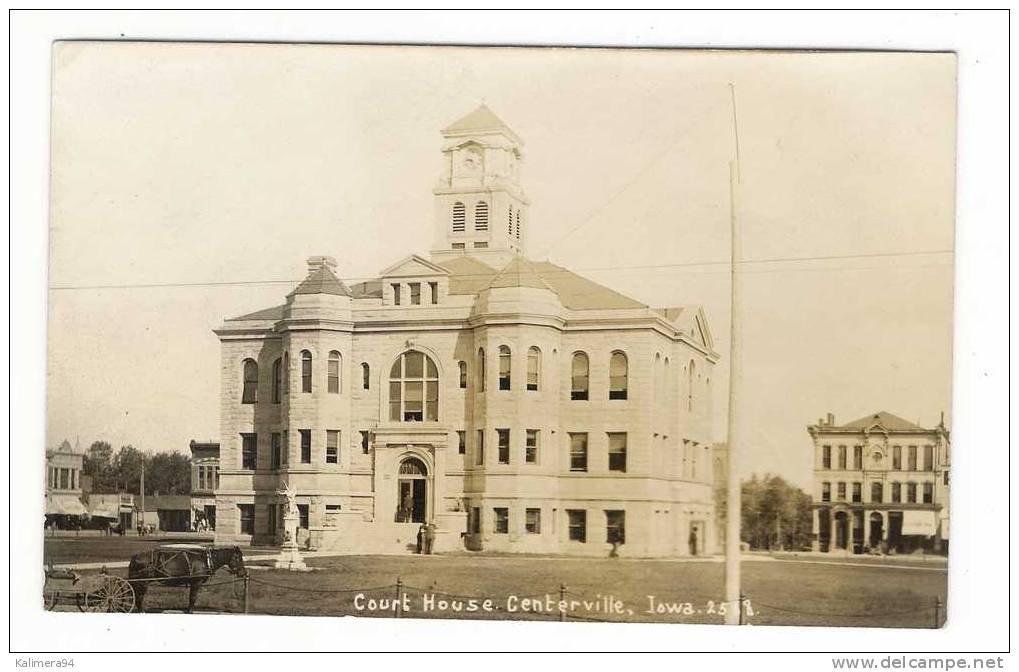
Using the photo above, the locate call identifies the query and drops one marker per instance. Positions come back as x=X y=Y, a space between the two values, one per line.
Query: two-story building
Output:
x=515 y=405
x=64 y=495
x=204 y=481
x=880 y=482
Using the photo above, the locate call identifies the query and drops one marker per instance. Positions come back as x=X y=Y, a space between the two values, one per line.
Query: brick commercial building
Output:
x=513 y=404
x=880 y=483
x=204 y=481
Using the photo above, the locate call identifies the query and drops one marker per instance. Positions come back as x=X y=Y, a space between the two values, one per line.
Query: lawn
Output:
x=781 y=592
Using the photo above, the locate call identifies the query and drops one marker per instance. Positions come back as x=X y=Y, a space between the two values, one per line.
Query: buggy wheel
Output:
x=50 y=599
x=111 y=594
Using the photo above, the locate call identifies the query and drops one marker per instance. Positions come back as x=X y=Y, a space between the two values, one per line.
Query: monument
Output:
x=290 y=555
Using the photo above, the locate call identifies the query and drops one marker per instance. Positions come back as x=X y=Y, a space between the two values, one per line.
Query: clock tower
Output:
x=480 y=208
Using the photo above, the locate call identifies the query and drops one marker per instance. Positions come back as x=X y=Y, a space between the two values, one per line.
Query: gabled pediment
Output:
x=413 y=266
x=692 y=322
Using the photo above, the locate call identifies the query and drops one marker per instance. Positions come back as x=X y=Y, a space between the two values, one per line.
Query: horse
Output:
x=182 y=565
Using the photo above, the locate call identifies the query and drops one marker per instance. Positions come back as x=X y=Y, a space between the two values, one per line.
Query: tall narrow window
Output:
x=896 y=492
x=459 y=217
x=286 y=373
x=897 y=458
x=249 y=451
x=481 y=369
x=532 y=522
x=877 y=491
x=617 y=451
x=857 y=492
x=305 y=446
x=911 y=493
x=463 y=375
x=332 y=446
x=825 y=492
x=615 y=527
x=928 y=458
x=461 y=441
x=479 y=453
x=249 y=394
x=578 y=452
x=504 y=445
x=826 y=457
x=305 y=371
x=365 y=376
x=842 y=458
x=617 y=376
x=277 y=380
x=396 y=294
x=531 y=447
x=579 y=378
x=247 y=514
x=504 y=367
x=334 y=372
x=481 y=216
x=533 y=368
x=912 y=458
x=501 y=519
x=928 y=493
x=857 y=457
x=842 y=491
x=415 y=293
x=365 y=442
x=578 y=524
x=433 y=288
x=413 y=388
x=691 y=381
x=275 y=450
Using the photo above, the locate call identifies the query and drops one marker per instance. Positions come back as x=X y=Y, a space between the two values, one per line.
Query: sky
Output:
x=190 y=182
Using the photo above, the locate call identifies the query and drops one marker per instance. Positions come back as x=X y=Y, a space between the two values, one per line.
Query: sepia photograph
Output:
x=543 y=334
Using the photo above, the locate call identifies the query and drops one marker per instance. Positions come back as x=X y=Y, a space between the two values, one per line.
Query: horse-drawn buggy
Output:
x=97 y=592
x=182 y=565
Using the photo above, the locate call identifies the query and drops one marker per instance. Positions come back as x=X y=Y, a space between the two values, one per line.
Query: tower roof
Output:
x=321 y=279
x=519 y=272
x=482 y=119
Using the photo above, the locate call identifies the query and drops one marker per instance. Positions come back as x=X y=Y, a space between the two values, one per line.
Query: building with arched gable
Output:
x=511 y=403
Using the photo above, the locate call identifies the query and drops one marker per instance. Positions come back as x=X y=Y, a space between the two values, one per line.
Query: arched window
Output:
x=580 y=376
x=504 y=367
x=334 y=372
x=413 y=388
x=533 y=368
x=481 y=216
x=481 y=369
x=518 y=225
x=691 y=373
x=249 y=394
x=509 y=232
x=463 y=375
x=617 y=376
x=459 y=217
x=305 y=371
x=277 y=380
x=366 y=376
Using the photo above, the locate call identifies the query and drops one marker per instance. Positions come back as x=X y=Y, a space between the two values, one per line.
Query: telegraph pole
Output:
x=733 y=504
x=141 y=492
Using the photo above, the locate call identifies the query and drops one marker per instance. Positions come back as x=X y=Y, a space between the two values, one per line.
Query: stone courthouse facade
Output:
x=511 y=403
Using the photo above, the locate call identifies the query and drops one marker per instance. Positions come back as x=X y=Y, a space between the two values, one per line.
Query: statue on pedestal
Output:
x=290 y=554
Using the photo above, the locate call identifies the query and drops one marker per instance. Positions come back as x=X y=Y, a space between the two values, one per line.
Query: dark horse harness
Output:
x=161 y=562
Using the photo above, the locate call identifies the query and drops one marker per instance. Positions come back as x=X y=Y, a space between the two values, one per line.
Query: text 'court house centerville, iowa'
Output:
x=512 y=404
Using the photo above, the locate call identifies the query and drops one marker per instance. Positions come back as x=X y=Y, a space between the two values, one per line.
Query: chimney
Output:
x=831 y=419
x=318 y=261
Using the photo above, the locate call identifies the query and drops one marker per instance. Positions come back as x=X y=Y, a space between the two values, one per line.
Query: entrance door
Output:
x=696 y=537
x=876 y=529
x=841 y=530
x=412 y=492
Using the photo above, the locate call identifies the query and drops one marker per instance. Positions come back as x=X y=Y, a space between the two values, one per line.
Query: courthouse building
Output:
x=880 y=482
x=511 y=403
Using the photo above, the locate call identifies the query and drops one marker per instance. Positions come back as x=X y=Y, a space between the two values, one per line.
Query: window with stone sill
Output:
x=249 y=394
x=413 y=388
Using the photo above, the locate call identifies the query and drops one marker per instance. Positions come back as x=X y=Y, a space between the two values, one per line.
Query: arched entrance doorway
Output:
x=412 y=491
x=877 y=524
x=841 y=530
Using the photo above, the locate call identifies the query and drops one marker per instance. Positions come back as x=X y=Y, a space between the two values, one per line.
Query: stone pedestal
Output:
x=290 y=555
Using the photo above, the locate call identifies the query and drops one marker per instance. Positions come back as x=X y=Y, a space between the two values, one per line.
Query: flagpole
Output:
x=733 y=502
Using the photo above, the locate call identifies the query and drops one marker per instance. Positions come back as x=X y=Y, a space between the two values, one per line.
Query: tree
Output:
x=168 y=473
x=127 y=468
x=98 y=464
x=775 y=514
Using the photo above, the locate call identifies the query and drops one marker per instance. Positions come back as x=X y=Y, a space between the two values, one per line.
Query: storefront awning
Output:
x=104 y=510
x=919 y=523
x=66 y=505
